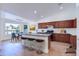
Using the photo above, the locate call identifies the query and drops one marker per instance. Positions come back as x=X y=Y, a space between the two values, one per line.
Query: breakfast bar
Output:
x=36 y=36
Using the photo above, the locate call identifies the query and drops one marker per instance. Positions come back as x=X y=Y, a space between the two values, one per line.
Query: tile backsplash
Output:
x=68 y=30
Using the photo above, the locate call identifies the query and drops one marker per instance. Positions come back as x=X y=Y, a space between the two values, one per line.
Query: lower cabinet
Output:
x=66 y=38
x=73 y=41
x=61 y=37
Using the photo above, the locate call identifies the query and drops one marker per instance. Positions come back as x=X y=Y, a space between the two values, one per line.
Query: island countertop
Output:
x=37 y=34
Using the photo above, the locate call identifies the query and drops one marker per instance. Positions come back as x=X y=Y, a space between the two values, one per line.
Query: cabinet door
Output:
x=58 y=37
x=42 y=25
x=51 y=23
x=66 y=38
x=56 y=25
x=65 y=24
x=61 y=37
x=74 y=23
x=62 y=24
x=73 y=41
x=55 y=37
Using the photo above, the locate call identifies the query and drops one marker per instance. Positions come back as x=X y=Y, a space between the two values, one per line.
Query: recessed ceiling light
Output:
x=61 y=8
x=42 y=16
x=77 y=5
x=35 y=11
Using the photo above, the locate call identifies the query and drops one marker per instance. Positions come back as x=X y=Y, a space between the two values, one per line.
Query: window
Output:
x=10 y=28
x=25 y=28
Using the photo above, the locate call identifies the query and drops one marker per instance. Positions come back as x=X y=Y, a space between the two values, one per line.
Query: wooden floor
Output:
x=8 y=48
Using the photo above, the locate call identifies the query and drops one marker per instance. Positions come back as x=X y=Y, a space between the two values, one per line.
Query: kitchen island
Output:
x=36 y=36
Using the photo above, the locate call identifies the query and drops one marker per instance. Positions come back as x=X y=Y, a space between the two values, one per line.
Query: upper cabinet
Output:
x=59 y=24
x=42 y=25
x=65 y=24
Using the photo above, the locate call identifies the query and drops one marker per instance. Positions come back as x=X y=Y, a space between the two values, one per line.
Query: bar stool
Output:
x=31 y=44
x=39 y=46
x=25 y=41
x=13 y=37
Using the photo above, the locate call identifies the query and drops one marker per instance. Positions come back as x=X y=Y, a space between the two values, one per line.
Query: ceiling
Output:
x=43 y=10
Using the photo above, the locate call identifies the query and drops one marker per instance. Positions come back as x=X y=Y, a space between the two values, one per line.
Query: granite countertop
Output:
x=36 y=34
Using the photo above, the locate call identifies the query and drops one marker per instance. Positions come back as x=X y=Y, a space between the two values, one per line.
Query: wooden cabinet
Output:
x=61 y=37
x=74 y=23
x=64 y=24
x=67 y=38
x=59 y=24
x=42 y=25
x=73 y=41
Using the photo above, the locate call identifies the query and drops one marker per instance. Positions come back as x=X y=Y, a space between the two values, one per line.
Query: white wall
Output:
x=1 y=27
x=0 y=22
x=77 y=14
